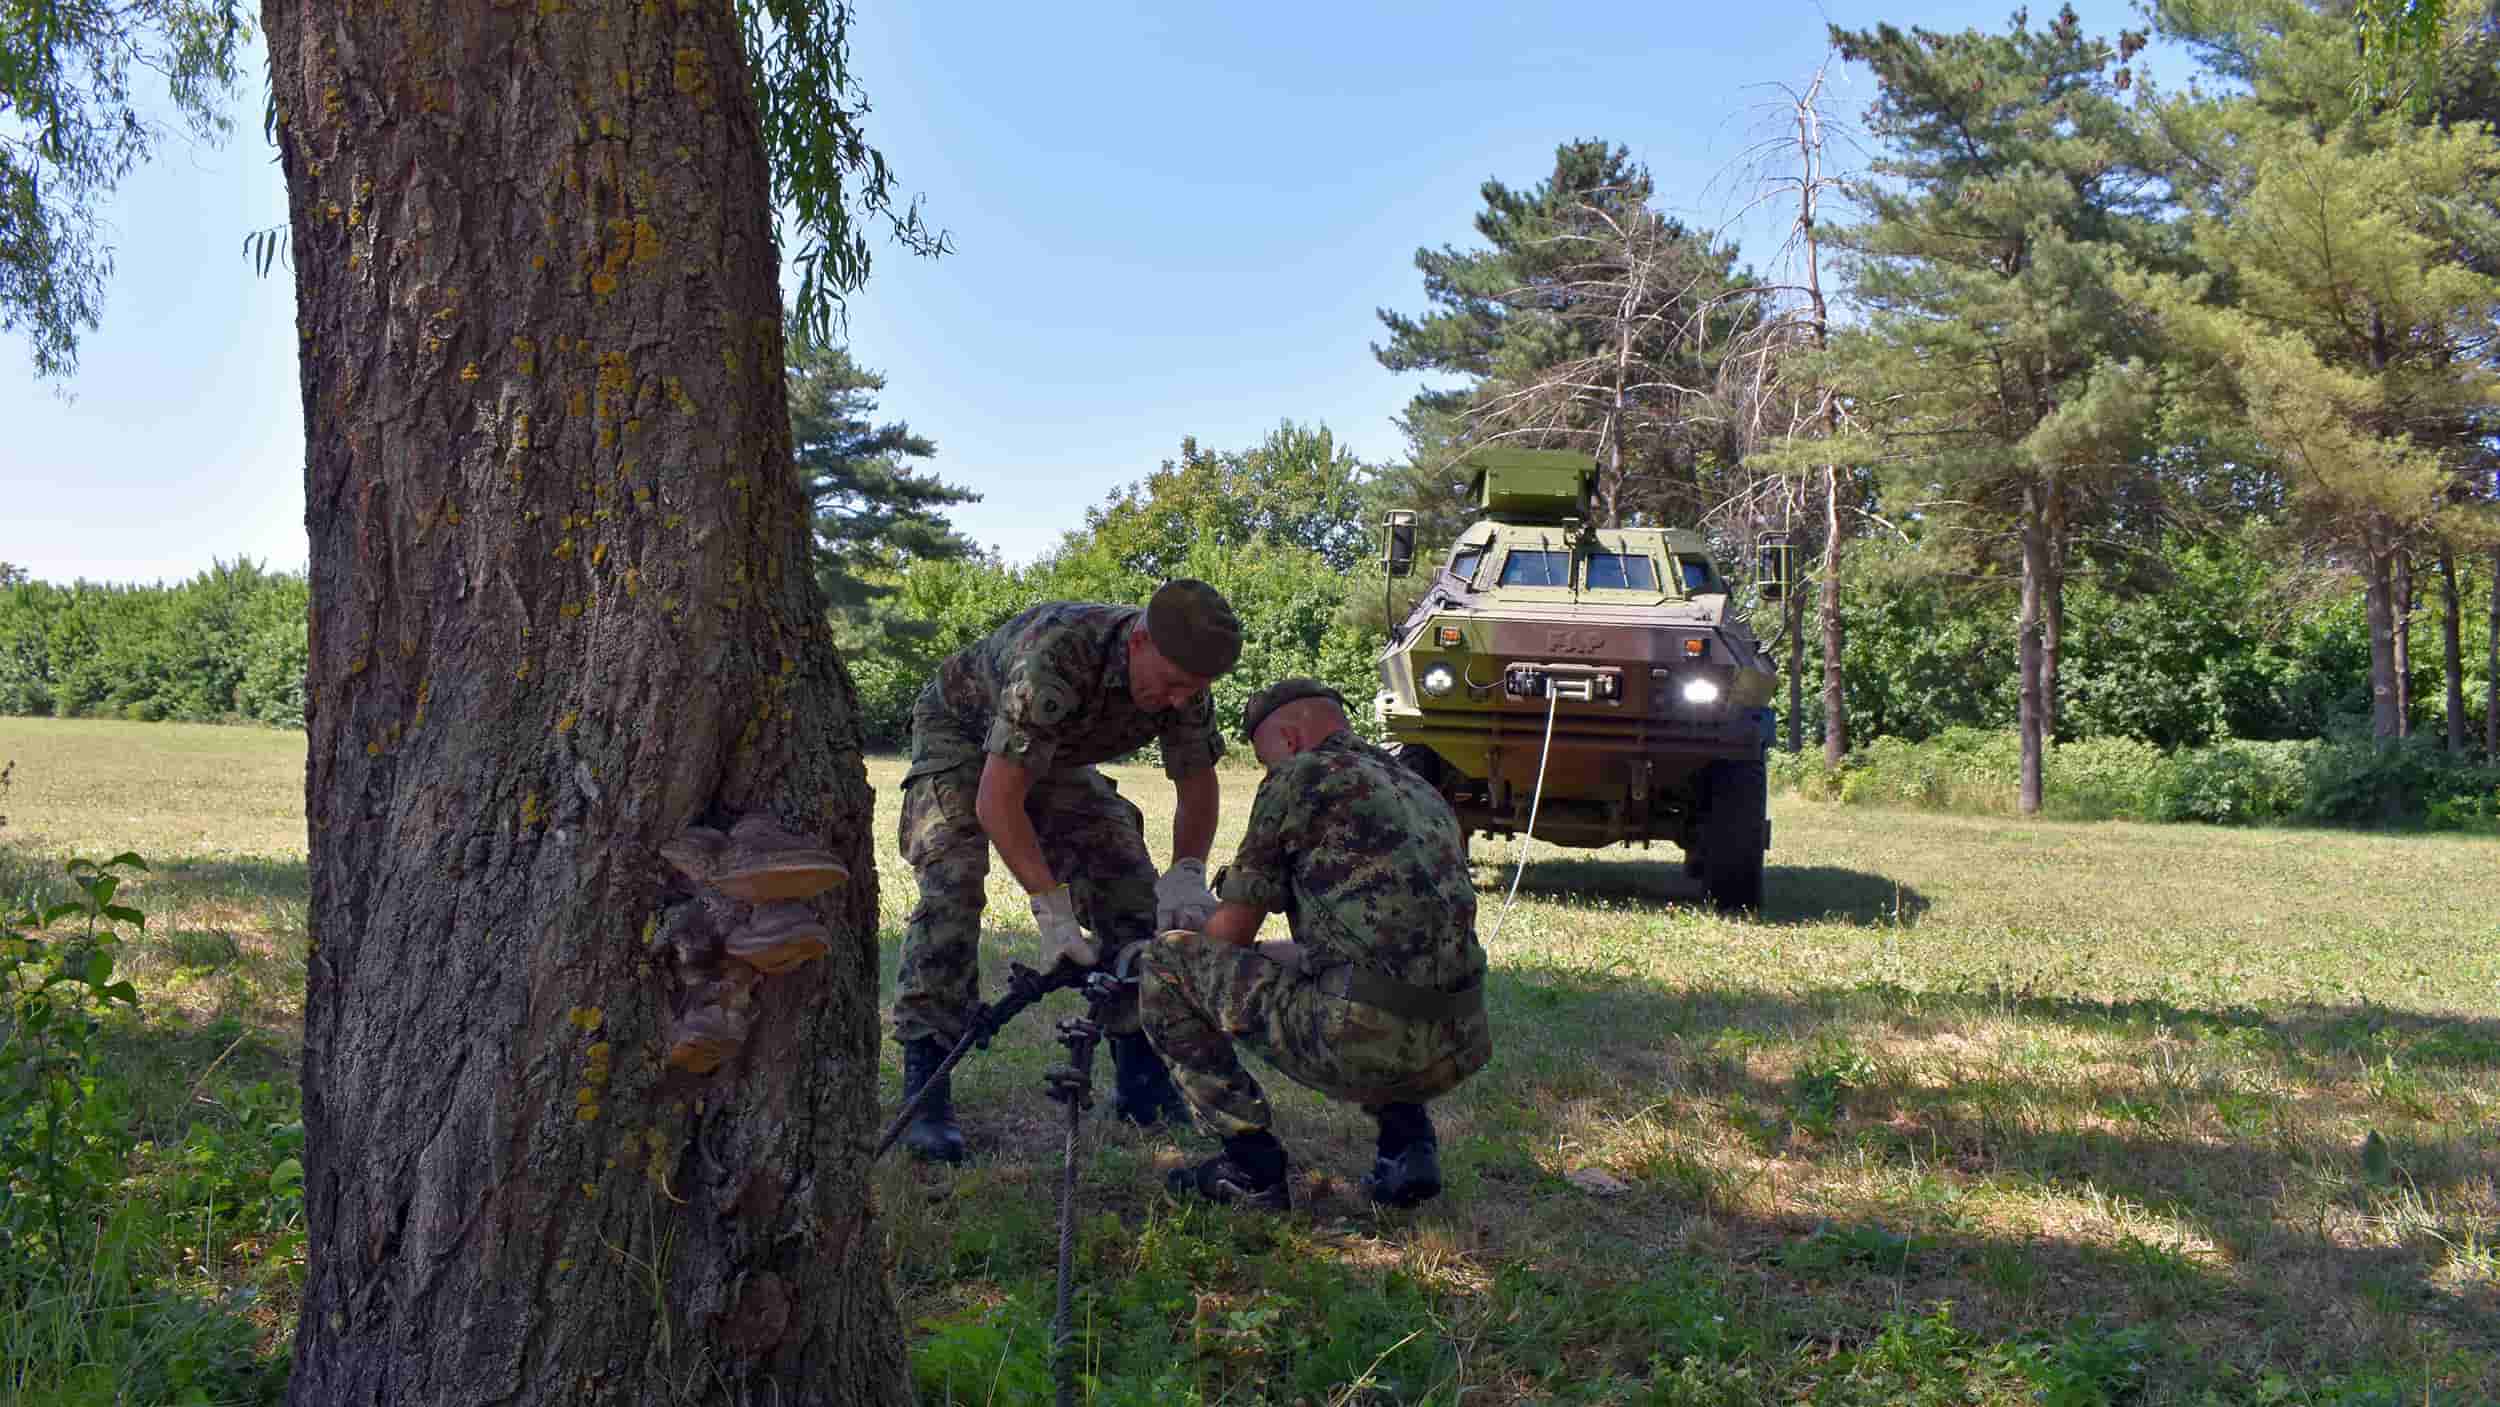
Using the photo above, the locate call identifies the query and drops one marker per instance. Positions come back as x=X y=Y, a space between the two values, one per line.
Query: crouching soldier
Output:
x=1004 y=742
x=1379 y=1000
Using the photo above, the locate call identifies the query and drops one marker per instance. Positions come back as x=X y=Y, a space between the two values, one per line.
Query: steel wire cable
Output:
x=1553 y=702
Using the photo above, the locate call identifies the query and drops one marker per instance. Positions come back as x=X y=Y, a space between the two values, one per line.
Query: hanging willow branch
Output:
x=823 y=169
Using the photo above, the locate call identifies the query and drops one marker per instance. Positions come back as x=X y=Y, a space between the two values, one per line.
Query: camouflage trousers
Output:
x=1093 y=838
x=1199 y=998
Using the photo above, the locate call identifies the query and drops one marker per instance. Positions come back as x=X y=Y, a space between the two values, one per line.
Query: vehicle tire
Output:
x=1737 y=795
x=1422 y=761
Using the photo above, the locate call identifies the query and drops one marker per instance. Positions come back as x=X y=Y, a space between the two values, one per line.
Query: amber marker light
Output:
x=1695 y=649
x=1450 y=636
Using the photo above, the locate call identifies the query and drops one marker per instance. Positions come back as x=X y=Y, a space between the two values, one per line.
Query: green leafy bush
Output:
x=2231 y=783
x=2415 y=782
x=64 y=1137
x=2102 y=779
x=2354 y=783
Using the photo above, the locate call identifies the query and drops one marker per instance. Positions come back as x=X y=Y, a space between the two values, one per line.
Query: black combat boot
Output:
x=931 y=1136
x=1142 y=1090
x=1250 y=1172
x=1408 y=1168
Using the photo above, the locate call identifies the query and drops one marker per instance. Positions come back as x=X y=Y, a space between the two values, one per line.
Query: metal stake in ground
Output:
x=1072 y=1084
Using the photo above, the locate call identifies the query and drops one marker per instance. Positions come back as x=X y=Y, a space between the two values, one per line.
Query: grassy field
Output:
x=1977 y=1111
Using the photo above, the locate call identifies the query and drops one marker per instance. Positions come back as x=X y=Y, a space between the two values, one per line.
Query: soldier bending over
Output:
x=1378 y=1001
x=1004 y=742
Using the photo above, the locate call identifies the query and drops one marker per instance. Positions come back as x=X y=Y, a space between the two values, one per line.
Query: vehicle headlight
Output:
x=1700 y=691
x=1439 y=680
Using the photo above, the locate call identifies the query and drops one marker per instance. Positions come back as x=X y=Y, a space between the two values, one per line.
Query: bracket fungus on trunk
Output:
x=751 y=881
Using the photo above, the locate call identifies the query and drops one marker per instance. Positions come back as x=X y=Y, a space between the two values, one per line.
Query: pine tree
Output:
x=2355 y=348
x=873 y=513
x=1995 y=358
x=1586 y=323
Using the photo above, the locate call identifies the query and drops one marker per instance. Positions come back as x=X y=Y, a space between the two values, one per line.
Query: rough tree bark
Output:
x=1793 y=622
x=2030 y=712
x=561 y=609
x=1835 y=696
x=2379 y=611
x=2402 y=572
x=2053 y=608
x=2452 y=647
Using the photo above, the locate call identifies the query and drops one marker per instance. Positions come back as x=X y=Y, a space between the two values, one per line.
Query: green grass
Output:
x=1978 y=1111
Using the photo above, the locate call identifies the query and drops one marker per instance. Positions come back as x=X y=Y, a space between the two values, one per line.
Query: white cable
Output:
x=1553 y=702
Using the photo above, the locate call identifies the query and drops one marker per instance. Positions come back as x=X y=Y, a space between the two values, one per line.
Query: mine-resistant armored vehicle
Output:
x=1597 y=678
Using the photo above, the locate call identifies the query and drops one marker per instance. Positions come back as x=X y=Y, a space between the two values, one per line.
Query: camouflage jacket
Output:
x=1365 y=860
x=1049 y=689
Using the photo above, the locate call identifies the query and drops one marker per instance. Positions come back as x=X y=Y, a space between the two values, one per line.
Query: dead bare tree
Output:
x=1786 y=413
x=1633 y=295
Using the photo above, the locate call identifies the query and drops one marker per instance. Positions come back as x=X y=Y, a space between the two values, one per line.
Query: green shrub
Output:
x=1802 y=773
x=2411 y=783
x=64 y=1137
x=2356 y=782
x=2102 y=779
x=2231 y=783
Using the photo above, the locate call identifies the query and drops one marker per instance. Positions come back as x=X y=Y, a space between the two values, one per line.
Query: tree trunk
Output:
x=1793 y=622
x=561 y=608
x=2403 y=638
x=2381 y=616
x=1835 y=701
x=2053 y=608
x=2491 y=670
x=2452 y=647
x=2032 y=716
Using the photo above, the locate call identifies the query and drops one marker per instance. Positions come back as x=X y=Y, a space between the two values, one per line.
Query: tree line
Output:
x=2063 y=334
x=492 y=773
x=2094 y=411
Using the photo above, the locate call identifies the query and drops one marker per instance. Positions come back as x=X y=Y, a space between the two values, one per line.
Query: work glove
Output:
x=1054 y=913
x=1182 y=899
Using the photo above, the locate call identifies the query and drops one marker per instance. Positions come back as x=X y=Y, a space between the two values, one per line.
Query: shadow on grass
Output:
x=1792 y=894
x=1824 y=1207
x=286 y=877
x=2249 y=1171
x=180 y=1073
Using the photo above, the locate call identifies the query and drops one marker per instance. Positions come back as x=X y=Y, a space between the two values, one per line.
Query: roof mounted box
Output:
x=1532 y=483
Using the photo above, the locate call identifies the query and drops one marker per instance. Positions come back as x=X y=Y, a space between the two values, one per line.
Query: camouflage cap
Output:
x=1193 y=625
x=1279 y=694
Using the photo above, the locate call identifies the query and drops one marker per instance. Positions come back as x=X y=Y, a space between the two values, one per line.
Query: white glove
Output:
x=1054 y=913
x=1182 y=899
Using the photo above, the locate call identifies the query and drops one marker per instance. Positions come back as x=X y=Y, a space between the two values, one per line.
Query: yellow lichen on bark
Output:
x=692 y=76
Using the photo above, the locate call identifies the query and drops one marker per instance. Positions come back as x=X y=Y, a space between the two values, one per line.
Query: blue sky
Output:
x=1168 y=220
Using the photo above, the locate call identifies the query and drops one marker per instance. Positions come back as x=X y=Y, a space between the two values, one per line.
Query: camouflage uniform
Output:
x=1049 y=689
x=1364 y=860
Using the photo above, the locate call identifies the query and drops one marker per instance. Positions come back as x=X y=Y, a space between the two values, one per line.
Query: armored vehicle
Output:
x=1585 y=685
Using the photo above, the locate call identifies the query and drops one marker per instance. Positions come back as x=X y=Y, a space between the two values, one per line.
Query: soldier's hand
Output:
x=1054 y=913
x=1182 y=898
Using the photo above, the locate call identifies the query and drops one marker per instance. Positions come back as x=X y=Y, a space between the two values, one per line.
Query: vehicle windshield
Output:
x=1534 y=568
x=1696 y=573
x=1463 y=565
x=1621 y=571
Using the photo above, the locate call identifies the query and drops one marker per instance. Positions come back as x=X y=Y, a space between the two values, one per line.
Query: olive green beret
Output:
x=1193 y=625
x=1279 y=694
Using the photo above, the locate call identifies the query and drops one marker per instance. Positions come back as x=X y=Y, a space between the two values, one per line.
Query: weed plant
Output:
x=2347 y=782
x=1978 y=1110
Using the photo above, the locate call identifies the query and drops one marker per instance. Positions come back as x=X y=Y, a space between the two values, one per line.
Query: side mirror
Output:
x=1400 y=560
x=1775 y=568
